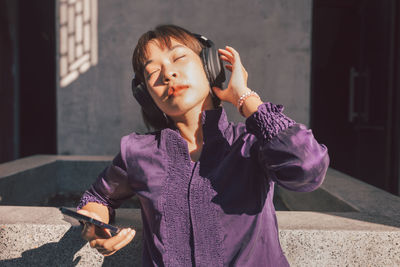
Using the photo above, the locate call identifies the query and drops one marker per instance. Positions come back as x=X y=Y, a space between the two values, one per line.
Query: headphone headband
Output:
x=204 y=40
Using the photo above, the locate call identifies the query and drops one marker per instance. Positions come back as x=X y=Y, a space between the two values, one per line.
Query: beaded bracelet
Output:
x=243 y=98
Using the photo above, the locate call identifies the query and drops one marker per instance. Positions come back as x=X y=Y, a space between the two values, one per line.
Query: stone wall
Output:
x=272 y=37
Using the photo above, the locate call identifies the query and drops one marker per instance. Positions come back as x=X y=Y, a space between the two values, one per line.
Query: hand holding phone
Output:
x=100 y=237
x=84 y=218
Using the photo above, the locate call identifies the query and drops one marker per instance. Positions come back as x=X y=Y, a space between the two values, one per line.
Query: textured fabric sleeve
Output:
x=111 y=188
x=287 y=151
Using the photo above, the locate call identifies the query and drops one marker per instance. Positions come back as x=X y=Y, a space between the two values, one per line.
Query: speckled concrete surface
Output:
x=38 y=236
x=57 y=245
x=341 y=248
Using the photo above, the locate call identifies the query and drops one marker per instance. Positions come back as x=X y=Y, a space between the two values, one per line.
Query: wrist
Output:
x=250 y=106
x=239 y=94
x=248 y=103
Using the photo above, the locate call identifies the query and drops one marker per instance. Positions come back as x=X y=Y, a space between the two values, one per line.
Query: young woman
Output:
x=205 y=184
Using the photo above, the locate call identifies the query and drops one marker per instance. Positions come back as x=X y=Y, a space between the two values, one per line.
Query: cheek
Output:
x=199 y=75
x=154 y=91
x=155 y=95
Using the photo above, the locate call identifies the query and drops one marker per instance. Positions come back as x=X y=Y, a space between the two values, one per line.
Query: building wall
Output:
x=273 y=38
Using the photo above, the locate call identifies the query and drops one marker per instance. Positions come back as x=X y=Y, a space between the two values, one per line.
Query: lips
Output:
x=176 y=89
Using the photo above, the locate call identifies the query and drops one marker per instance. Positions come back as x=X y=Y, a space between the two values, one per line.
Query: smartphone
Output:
x=81 y=217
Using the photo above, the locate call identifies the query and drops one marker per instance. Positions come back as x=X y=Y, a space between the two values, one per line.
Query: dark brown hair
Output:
x=162 y=34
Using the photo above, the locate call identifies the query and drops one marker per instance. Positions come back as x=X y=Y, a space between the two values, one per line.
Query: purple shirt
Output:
x=217 y=211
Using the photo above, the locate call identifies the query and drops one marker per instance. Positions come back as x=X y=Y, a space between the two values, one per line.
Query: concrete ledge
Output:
x=340 y=248
x=38 y=236
x=341 y=192
x=46 y=176
x=32 y=162
x=343 y=223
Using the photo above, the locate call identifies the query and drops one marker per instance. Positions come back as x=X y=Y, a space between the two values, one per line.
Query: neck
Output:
x=190 y=128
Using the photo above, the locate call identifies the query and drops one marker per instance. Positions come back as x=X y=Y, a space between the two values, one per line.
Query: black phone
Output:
x=81 y=217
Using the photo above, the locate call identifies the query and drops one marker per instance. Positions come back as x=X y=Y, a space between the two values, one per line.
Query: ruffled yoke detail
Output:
x=268 y=121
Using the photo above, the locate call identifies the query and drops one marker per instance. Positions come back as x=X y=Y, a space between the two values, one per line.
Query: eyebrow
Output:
x=172 y=48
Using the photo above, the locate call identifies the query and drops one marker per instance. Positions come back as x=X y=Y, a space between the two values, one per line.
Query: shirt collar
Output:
x=214 y=122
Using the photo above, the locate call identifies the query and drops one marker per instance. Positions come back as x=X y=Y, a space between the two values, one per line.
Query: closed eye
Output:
x=180 y=57
x=150 y=74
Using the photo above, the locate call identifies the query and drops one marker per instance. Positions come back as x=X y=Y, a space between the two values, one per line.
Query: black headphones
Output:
x=213 y=68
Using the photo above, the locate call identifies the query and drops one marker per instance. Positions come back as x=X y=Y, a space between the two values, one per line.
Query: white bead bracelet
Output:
x=243 y=98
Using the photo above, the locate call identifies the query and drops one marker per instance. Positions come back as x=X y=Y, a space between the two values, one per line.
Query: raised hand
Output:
x=238 y=83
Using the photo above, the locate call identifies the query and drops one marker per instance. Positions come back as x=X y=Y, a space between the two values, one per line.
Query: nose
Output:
x=169 y=75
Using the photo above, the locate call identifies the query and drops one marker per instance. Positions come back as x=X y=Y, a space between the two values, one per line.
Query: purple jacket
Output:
x=217 y=211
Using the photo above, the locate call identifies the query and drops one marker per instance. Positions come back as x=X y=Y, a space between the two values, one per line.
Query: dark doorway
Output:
x=27 y=78
x=37 y=61
x=8 y=78
x=353 y=87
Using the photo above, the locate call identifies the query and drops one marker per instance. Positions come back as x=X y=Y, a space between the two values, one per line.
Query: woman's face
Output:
x=175 y=78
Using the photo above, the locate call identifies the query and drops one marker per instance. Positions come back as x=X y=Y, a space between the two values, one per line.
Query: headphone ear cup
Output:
x=204 y=58
x=215 y=67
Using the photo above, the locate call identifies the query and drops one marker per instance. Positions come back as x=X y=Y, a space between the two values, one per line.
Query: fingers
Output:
x=90 y=231
x=226 y=55
x=234 y=53
x=129 y=235
x=238 y=80
x=101 y=239
x=224 y=58
x=229 y=67
x=111 y=245
x=101 y=232
x=229 y=54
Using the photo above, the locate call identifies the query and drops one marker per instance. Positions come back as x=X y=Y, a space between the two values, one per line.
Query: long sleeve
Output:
x=287 y=151
x=111 y=188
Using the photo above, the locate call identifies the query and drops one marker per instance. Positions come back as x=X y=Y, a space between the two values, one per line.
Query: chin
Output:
x=187 y=101
x=182 y=108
